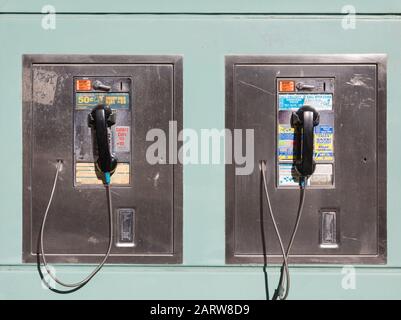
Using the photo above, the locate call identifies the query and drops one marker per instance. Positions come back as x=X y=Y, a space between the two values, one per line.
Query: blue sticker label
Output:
x=324 y=129
x=293 y=102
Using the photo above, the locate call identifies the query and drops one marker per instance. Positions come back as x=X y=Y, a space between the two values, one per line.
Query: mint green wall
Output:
x=205 y=6
x=204 y=40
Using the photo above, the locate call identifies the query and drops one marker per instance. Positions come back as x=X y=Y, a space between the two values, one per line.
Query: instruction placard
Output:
x=286 y=143
x=289 y=177
x=86 y=174
x=121 y=138
x=295 y=101
x=323 y=144
x=92 y=99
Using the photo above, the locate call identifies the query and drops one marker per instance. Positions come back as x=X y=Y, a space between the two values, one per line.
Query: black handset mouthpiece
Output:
x=304 y=120
x=100 y=118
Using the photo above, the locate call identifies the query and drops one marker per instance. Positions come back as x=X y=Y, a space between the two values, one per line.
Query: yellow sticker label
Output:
x=85 y=174
x=285 y=143
x=324 y=145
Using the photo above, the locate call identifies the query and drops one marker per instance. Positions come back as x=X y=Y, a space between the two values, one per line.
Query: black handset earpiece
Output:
x=100 y=119
x=305 y=119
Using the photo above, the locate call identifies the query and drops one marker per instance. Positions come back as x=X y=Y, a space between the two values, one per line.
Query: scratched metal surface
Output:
x=77 y=226
x=360 y=162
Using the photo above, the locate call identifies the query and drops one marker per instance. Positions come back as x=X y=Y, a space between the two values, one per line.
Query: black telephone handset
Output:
x=100 y=119
x=304 y=120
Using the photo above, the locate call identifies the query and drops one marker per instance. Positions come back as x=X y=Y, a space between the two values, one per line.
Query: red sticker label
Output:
x=83 y=85
x=286 y=86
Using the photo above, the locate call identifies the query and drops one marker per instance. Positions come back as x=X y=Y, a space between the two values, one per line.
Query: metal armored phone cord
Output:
x=110 y=209
x=282 y=292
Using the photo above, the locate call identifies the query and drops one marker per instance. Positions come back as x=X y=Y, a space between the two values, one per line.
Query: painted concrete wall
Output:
x=204 y=38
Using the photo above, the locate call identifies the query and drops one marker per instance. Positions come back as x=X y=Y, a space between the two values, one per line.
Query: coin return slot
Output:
x=125 y=235
x=328 y=230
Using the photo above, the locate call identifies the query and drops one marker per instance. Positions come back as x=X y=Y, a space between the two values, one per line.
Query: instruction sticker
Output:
x=323 y=144
x=85 y=174
x=287 y=175
x=121 y=138
x=295 y=101
x=286 y=143
x=323 y=175
x=91 y=100
x=83 y=85
x=287 y=85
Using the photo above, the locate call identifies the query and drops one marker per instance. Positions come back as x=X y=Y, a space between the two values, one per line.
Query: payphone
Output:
x=319 y=126
x=85 y=120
